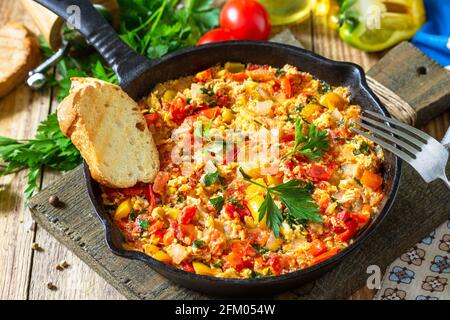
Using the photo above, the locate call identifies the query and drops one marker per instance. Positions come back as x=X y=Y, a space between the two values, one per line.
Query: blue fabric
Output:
x=434 y=37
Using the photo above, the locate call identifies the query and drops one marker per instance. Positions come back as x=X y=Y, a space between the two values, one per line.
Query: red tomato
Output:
x=151 y=118
x=179 y=109
x=216 y=35
x=203 y=76
x=234 y=211
x=169 y=236
x=209 y=113
x=325 y=256
x=150 y=198
x=286 y=87
x=186 y=233
x=319 y=173
x=156 y=226
x=246 y=19
x=187 y=266
x=159 y=186
x=187 y=215
x=352 y=227
x=317 y=247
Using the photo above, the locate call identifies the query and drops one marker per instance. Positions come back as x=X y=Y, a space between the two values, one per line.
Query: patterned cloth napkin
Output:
x=422 y=272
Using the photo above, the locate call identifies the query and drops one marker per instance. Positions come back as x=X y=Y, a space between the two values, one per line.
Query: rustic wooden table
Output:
x=24 y=272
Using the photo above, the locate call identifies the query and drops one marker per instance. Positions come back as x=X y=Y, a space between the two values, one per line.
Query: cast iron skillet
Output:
x=138 y=76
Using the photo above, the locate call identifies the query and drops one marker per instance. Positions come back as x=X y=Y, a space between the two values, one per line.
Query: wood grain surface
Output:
x=25 y=273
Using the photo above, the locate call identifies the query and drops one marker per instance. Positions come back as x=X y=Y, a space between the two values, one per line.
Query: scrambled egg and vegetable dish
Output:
x=211 y=214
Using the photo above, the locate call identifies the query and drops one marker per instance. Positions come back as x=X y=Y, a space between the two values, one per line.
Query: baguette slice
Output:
x=19 y=53
x=106 y=125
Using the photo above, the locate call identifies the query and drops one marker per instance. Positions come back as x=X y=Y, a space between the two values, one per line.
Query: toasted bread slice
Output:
x=19 y=53
x=106 y=125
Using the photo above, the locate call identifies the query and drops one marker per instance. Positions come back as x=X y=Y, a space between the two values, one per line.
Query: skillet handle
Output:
x=127 y=64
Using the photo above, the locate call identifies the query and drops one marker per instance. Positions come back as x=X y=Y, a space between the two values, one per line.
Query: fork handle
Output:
x=444 y=178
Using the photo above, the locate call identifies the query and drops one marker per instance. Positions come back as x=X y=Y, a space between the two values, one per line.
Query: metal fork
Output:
x=422 y=152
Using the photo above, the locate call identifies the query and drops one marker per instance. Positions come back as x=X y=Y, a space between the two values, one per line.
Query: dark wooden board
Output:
x=419 y=208
x=418 y=80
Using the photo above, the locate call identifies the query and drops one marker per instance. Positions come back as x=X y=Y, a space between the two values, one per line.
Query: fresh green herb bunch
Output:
x=49 y=148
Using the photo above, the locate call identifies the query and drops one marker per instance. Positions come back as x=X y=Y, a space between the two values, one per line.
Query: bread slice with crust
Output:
x=108 y=128
x=19 y=53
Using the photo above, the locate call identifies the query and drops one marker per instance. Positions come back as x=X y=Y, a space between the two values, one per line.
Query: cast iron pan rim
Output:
x=273 y=279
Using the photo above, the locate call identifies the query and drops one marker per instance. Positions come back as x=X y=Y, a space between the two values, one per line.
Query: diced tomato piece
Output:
x=288 y=136
x=286 y=87
x=325 y=256
x=352 y=227
x=169 y=236
x=319 y=173
x=234 y=260
x=186 y=233
x=129 y=192
x=343 y=216
x=317 y=247
x=159 y=234
x=160 y=184
x=179 y=109
x=361 y=217
x=209 y=113
x=240 y=76
x=371 y=180
x=187 y=215
x=151 y=118
x=256 y=236
x=244 y=248
x=231 y=210
x=187 y=266
x=203 y=76
x=155 y=226
x=150 y=198
x=261 y=75
x=234 y=211
x=277 y=263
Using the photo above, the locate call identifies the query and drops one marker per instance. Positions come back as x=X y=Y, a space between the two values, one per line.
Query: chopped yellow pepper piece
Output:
x=123 y=210
x=203 y=269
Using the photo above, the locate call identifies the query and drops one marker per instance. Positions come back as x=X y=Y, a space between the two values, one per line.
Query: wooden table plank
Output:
x=20 y=113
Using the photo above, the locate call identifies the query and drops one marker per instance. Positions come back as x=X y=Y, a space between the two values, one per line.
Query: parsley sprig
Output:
x=311 y=145
x=48 y=148
x=295 y=195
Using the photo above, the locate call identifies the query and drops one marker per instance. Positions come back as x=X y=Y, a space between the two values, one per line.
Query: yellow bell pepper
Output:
x=332 y=101
x=169 y=95
x=309 y=111
x=203 y=269
x=254 y=195
x=162 y=256
x=123 y=210
x=172 y=212
x=150 y=249
x=227 y=115
x=274 y=180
